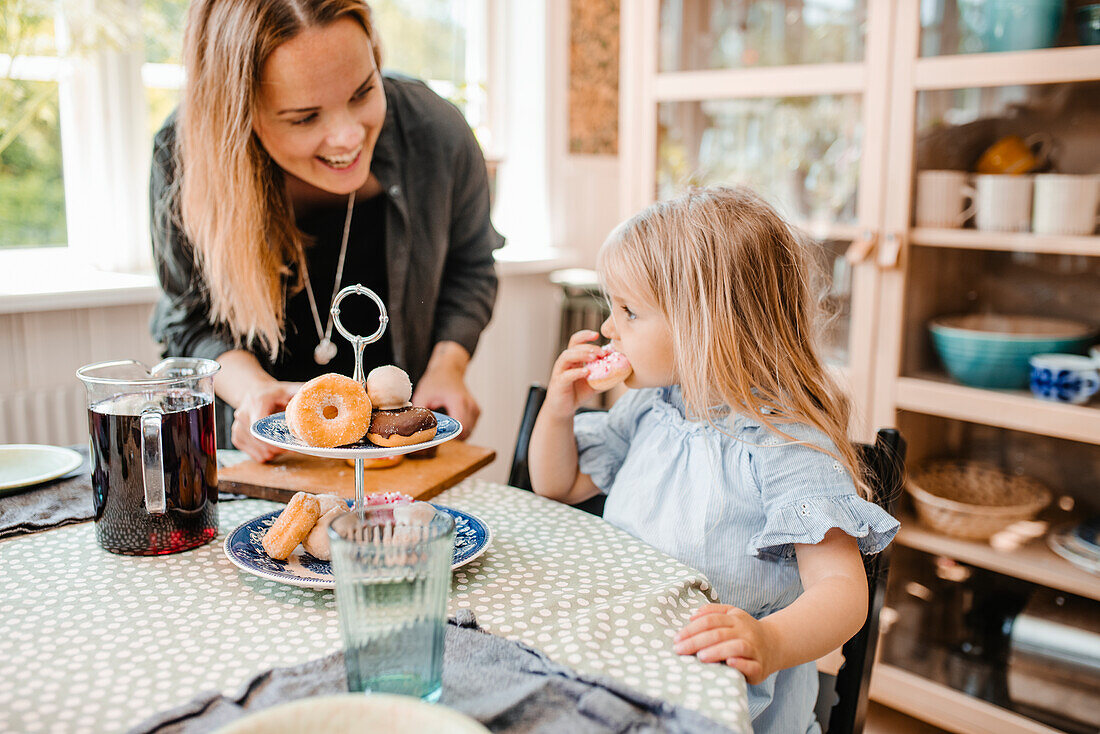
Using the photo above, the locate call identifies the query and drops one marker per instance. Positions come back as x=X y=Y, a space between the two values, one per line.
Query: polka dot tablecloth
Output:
x=97 y=642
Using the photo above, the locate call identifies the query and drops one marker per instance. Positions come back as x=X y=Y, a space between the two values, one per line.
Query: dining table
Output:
x=93 y=641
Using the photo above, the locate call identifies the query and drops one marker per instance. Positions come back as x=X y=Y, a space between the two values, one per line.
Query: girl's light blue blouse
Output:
x=729 y=504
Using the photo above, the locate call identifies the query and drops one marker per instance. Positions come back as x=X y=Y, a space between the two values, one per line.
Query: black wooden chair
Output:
x=520 y=475
x=842 y=699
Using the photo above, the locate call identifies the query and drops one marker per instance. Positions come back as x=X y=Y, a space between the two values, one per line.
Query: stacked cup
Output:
x=1065 y=204
x=1005 y=197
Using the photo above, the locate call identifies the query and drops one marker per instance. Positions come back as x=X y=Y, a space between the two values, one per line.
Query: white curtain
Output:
x=104 y=142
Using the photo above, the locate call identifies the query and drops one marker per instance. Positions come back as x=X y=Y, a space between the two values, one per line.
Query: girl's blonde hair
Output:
x=233 y=205
x=734 y=283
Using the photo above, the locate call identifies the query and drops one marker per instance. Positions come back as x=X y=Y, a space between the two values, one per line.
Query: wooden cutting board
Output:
x=290 y=473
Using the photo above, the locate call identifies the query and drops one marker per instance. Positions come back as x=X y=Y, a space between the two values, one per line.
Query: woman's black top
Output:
x=367 y=260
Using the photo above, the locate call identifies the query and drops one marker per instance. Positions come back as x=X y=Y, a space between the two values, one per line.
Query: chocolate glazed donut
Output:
x=401 y=427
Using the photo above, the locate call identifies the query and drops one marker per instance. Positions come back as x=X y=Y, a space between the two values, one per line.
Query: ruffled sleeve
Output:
x=806 y=493
x=603 y=438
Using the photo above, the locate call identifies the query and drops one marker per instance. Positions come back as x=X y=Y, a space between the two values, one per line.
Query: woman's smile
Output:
x=342 y=162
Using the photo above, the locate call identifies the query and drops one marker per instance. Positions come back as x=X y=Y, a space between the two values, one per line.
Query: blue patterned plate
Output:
x=242 y=547
x=273 y=430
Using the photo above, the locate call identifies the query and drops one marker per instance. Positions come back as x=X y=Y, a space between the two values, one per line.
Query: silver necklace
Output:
x=326 y=349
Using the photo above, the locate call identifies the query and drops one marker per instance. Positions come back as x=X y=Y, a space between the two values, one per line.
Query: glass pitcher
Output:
x=154 y=467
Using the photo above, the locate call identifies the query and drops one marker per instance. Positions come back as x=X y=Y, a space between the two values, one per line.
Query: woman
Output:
x=293 y=168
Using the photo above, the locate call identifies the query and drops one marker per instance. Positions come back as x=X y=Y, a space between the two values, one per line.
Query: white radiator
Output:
x=57 y=416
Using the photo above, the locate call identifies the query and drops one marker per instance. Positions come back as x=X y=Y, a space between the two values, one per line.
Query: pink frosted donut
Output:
x=330 y=410
x=608 y=370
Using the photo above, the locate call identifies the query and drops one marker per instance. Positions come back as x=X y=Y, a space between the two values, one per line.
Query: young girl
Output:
x=730 y=452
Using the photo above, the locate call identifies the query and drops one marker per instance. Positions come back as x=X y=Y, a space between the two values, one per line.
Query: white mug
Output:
x=1004 y=202
x=1065 y=203
x=941 y=199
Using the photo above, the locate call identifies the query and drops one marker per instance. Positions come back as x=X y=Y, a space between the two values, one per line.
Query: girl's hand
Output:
x=261 y=401
x=567 y=388
x=719 y=632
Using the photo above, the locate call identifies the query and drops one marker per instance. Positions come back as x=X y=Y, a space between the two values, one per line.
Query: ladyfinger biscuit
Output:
x=328 y=501
x=317 y=542
x=292 y=526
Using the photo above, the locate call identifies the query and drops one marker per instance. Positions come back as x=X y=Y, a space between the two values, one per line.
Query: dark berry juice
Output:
x=122 y=522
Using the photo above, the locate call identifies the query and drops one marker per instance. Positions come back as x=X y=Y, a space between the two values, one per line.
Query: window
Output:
x=444 y=43
x=32 y=194
x=82 y=92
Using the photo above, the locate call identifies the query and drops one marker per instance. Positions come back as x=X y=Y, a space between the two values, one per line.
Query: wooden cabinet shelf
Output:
x=1010 y=68
x=1013 y=409
x=691 y=113
x=1034 y=561
x=945 y=707
x=973 y=239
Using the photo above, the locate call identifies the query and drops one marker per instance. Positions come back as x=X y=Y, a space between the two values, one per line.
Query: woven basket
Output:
x=968 y=499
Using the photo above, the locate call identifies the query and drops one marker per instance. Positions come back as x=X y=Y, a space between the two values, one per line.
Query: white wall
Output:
x=584 y=189
x=41 y=400
x=517 y=349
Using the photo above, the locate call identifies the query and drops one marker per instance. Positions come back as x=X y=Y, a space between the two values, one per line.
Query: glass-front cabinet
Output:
x=784 y=97
x=944 y=158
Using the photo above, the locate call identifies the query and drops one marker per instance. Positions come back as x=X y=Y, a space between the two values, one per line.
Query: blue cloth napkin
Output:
x=63 y=501
x=506 y=686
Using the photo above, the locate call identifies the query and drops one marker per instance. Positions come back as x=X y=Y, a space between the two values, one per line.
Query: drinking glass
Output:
x=393 y=579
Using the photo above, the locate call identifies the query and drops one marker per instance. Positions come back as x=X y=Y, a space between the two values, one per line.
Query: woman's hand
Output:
x=261 y=401
x=443 y=385
x=568 y=388
x=719 y=632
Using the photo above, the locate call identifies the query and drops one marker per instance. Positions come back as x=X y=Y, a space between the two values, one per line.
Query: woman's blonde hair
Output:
x=735 y=285
x=233 y=205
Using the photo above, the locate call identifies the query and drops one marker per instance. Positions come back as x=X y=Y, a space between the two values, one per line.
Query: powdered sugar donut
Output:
x=608 y=370
x=388 y=387
x=330 y=410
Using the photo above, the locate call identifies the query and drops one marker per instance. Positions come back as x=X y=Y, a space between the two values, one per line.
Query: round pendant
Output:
x=324 y=352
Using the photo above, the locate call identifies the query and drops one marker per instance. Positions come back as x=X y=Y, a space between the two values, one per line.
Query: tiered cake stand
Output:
x=274 y=431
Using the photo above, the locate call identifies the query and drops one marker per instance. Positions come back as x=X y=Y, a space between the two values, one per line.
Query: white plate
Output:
x=356 y=713
x=22 y=465
x=273 y=430
x=1063 y=542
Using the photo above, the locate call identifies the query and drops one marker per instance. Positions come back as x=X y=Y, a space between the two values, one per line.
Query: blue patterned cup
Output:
x=1064 y=378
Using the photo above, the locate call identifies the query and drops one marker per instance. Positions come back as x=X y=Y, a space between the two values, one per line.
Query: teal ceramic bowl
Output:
x=992 y=351
x=1013 y=25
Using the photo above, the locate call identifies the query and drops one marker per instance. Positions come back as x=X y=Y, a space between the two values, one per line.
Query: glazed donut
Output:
x=291 y=526
x=608 y=370
x=330 y=410
x=401 y=427
x=382 y=462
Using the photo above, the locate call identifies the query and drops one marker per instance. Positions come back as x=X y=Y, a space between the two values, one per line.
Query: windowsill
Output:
x=51 y=279
x=520 y=260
